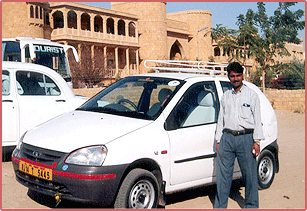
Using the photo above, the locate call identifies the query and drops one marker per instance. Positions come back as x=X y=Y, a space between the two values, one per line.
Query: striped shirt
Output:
x=240 y=111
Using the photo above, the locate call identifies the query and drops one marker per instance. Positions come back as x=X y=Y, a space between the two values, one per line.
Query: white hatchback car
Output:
x=141 y=138
x=31 y=95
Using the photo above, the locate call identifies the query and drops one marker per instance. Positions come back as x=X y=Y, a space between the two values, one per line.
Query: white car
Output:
x=31 y=95
x=141 y=138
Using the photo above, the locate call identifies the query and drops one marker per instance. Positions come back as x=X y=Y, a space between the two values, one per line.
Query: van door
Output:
x=39 y=97
x=10 y=120
x=191 y=128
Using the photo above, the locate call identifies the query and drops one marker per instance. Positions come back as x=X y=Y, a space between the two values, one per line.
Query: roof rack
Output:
x=211 y=68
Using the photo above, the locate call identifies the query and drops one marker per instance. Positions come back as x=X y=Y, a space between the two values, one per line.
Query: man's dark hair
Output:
x=234 y=66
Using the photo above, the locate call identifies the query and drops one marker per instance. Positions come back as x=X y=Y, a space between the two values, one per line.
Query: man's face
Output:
x=235 y=79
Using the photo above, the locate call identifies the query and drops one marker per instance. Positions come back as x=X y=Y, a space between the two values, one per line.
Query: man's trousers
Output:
x=231 y=147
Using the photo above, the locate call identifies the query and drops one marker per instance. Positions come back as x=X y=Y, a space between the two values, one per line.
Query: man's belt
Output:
x=238 y=132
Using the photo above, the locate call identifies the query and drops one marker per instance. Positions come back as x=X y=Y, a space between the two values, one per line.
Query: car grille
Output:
x=41 y=155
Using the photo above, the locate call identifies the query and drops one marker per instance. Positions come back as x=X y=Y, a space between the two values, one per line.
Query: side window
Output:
x=226 y=86
x=198 y=106
x=33 y=83
x=5 y=82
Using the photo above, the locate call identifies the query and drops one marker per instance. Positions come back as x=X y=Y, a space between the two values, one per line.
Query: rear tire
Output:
x=266 y=169
x=139 y=190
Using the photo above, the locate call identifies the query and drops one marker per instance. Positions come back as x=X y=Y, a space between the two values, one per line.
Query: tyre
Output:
x=139 y=190
x=266 y=169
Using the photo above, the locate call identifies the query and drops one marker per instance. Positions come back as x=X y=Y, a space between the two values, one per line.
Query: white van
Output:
x=31 y=95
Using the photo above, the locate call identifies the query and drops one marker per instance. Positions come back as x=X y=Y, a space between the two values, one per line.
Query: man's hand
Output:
x=256 y=149
x=217 y=147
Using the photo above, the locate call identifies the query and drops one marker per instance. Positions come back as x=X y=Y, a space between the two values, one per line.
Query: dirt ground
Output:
x=286 y=192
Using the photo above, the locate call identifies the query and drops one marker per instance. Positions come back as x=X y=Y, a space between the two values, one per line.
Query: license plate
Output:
x=36 y=171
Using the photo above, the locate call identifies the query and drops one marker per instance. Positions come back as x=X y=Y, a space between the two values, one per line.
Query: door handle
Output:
x=60 y=101
x=7 y=101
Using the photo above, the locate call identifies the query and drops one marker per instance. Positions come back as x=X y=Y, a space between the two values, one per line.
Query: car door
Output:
x=40 y=98
x=10 y=126
x=191 y=129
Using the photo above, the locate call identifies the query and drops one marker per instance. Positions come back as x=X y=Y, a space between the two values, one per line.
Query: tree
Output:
x=275 y=31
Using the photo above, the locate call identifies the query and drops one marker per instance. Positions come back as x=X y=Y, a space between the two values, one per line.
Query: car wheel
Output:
x=139 y=190
x=266 y=169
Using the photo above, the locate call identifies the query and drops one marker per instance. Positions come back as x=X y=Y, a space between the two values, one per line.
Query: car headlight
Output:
x=20 y=141
x=89 y=156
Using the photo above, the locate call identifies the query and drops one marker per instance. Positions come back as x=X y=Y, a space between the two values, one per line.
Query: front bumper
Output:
x=73 y=182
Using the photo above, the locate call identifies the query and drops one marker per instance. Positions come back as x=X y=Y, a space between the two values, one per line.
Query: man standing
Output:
x=238 y=134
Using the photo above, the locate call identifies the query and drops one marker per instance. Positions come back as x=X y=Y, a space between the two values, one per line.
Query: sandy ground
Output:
x=287 y=190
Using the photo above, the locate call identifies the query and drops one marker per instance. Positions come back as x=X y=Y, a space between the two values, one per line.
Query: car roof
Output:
x=23 y=65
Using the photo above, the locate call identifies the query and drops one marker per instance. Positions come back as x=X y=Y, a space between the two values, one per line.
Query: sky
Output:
x=224 y=13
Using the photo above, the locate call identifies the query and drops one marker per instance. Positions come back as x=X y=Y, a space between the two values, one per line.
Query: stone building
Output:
x=120 y=39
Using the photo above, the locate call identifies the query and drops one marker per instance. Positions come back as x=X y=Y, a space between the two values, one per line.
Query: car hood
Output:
x=79 y=129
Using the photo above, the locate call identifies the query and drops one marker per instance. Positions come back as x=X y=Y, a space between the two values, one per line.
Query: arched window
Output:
x=36 y=12
x=72 y=19
x=131 y=29
x=85 y=22
x=40 y=13
x=98 y=24
x=47 y=22
x=175 y=53
x=121 y=27
x=31 y=12
x=110 y=26
x=58 y=21
x=217 y=51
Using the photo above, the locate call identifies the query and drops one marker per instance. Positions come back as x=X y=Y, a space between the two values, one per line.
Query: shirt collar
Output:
x=242 y=88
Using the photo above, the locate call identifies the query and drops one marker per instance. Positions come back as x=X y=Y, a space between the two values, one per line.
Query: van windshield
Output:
x=136 y=96
x=53 y=57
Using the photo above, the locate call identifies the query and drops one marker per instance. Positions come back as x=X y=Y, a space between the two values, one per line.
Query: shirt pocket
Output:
x=245 y=111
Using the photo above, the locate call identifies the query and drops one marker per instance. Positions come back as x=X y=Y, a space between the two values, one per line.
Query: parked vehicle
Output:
x=39 y=51
x=141 y=138
x=31 y=95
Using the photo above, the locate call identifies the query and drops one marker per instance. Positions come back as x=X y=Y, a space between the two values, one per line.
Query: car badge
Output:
x=36 y=154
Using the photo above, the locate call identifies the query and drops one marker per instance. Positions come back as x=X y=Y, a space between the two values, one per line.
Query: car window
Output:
x=33 y=83
x=139 y=97
x=226 y=86
x=198 y=106
x=5 y=82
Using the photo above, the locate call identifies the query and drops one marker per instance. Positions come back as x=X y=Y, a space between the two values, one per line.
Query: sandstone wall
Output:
x=290 y=100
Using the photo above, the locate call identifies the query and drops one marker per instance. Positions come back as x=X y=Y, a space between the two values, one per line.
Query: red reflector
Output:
x=163 y=152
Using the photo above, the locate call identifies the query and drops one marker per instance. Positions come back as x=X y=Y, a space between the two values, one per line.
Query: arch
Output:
x=217 y=51
x=36 y=11
x=31 y=12
x=121 y=27
x=110 y=26
x=85 y=22
x=72 y=19
x=98 y=23
x=132 y=29
x=176 y=51
x=58 y=20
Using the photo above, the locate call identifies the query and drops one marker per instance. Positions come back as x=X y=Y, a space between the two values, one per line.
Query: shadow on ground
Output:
x=174 y=198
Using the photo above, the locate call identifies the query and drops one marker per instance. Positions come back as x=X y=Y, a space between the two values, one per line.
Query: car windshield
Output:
x=135 y=96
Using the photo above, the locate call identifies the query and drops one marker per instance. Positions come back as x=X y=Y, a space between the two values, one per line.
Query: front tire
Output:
x=266 y=169
x=139 y=190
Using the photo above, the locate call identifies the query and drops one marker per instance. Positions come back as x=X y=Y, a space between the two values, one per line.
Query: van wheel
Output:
x=266 y=169
x=139 y=190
